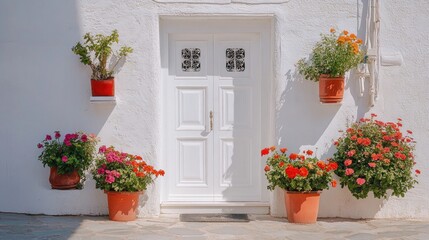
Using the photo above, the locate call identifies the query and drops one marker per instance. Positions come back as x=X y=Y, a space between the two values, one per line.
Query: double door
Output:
x=213 y=117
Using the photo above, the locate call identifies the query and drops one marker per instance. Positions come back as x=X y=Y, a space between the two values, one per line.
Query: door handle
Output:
x=211 y=120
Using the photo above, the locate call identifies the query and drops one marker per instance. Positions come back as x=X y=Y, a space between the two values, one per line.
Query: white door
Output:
x=213 y=117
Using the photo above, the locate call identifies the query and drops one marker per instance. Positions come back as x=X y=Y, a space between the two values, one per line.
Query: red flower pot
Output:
x=331 y=89
x=302 y=207
x=63 y=181
x=123 y=205
x=103 y=87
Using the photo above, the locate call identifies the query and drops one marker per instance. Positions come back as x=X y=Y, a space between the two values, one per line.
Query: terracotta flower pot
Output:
x=63 y=181
x=331 y=89
x=302 y=207
x=103 y=87
x=123 y=205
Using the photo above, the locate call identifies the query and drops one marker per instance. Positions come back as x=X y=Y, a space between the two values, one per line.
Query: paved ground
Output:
x=21 y=226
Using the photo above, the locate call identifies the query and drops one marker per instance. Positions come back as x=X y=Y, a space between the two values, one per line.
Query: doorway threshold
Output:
x=258 y=208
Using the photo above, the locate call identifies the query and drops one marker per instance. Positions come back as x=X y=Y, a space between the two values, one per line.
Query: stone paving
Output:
x=21 y=226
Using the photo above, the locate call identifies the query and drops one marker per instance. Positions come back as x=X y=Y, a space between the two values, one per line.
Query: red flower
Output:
x=321 y=165
x=348 y=162
x=399 y=119
x=302 y=157
x=409 y=131
x=276 y=156
x=376 y=157
x=265 y=151
x=336 y=143
x=309 y=152
x=373 y=115
x=334 y=183
x=267 y=168
x=418 y=171
x=161 y=172
x=354 y=137
x=303 y=172
x=351 y=153
x=372 y=164
x=386 y=138
x=360 y=181
x=332 y=166
x=283 y=150
x=291 y=171
x=281 y=164
x=293 y=156
x=272 y=148
x=349 y=171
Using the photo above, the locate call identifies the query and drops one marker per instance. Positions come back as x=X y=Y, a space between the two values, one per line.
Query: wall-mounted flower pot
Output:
x=103 y=87
x=331 y=89
x=63 y=181
x=302 y=207
x=123 y=205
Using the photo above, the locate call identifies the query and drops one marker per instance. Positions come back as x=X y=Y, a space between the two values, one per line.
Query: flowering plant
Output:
x=297 y=172
x=333 y=55
x=74 y=152
x=376 y=156
x=122 y=172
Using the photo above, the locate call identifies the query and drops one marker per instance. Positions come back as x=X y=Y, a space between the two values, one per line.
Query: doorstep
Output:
x=257 y=208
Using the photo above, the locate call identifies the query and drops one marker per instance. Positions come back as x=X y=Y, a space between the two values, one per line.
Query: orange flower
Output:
x=352 y=36
x=309 y=152
x=267 y=168
x=332 y=30
x=345 y=32
x=334 y=183
x=272 y=148
x=161 y=172
x=359 y=41
x=139 y=158
x=283 y=150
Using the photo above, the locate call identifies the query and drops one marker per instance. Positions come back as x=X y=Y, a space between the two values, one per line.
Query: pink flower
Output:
x=57 y=134
x=372 y=164
x=67 y=142
x=102 y=149
x=48 y=137
x=348 y=162
x=351 y=153
x=115 y=173
x=360 y=181
x=110 y=179
x=84 y=138
x=64 y=159
x=67 y=137
x=349 y=171
x=39 y=145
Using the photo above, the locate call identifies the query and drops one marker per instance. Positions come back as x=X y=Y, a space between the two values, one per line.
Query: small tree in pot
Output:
x=95 y=51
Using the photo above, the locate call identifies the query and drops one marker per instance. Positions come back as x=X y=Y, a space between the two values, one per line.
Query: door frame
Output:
x=264 y=25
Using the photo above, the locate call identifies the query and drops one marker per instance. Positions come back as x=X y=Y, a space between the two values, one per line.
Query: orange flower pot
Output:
x=103 y=87
x=331 y=89
x=302 y=207
x=63 y=181
x=123 y=205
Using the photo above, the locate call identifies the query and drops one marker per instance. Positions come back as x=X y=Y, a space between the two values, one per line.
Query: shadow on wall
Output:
x=44 y=87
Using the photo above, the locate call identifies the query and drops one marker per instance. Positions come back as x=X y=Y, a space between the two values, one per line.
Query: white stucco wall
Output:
x=43 y=87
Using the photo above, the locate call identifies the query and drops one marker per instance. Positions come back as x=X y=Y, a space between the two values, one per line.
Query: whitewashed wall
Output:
x=43 y=87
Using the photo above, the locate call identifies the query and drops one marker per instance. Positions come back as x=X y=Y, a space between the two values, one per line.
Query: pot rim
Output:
x=107 y=79
x=303 y=192
x=329 y=76
x=114 y=192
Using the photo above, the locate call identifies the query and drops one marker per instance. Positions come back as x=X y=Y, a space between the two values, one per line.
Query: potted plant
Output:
x=302 y=177
x=376 y=156
x=123 y=177
x=68 y=158
x=96 y=51
x=331 y=58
